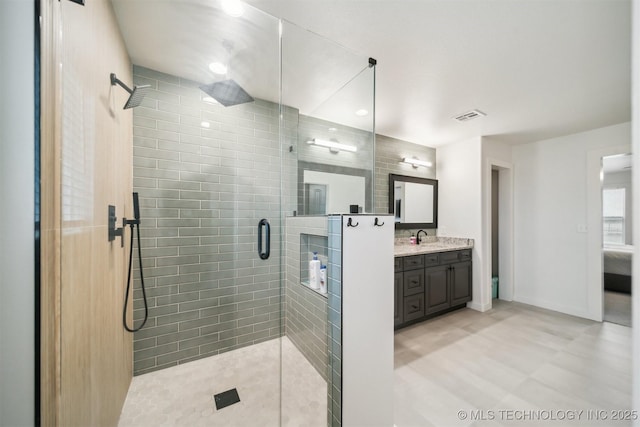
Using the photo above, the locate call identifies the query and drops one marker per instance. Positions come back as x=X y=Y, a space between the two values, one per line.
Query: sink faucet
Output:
x=418 y=236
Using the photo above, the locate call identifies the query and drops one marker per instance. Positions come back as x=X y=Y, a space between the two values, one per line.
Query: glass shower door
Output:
x=207 y=167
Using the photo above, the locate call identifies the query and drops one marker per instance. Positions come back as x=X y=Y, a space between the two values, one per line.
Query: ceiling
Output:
x=538 y=69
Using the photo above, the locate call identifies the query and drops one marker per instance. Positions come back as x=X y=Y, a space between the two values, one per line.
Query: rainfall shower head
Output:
x=227 y=93
x=137 y=94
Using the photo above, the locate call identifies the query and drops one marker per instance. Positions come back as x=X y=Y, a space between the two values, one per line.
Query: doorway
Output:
x=617 y=238
x=499 y=239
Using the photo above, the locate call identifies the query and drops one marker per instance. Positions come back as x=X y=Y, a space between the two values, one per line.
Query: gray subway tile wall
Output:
x=306 y=310
x=334 y=310
x=202 y=192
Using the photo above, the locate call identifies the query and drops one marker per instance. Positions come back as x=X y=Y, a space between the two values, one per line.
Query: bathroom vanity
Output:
x=431 y=279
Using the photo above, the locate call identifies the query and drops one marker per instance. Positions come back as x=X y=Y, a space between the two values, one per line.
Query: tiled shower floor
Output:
x=183 y=395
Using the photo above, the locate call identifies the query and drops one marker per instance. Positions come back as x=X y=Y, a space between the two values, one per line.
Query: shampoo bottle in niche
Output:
x=323 y=279
x=314 y=272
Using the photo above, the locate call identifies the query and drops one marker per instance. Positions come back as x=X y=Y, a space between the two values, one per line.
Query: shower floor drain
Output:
x=226 y=398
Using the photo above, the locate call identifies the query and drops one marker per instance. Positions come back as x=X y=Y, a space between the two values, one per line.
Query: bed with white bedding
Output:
x=617 y=268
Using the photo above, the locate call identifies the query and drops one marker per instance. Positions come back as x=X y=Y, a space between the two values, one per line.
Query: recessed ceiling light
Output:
x=233 y=7
x=332 y=129
x=205 y=124
x=362 y=112
x=210 y=100
x=218 y=68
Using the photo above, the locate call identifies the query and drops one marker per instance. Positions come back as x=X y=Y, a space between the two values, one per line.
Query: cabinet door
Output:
x=413 y=307
x=398 y=299
x=436 y=288
x=460 y=282
x=413 y=282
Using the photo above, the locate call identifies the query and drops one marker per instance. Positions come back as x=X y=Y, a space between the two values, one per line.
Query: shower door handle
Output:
x=264 y=225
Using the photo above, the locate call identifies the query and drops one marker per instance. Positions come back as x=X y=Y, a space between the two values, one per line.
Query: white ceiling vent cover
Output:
x=473 y=114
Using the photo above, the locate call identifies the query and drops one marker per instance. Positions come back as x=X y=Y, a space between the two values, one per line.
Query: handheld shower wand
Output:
x=135 y=223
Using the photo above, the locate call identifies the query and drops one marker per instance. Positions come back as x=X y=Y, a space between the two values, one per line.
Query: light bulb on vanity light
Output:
x=417 y=162
x=333 y=146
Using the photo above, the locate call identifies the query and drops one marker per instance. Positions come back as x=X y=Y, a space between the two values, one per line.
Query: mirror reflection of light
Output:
x=232 y=7
x=362 y=112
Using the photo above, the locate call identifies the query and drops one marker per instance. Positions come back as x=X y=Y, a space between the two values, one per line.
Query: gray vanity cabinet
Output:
x=431 y=284
x=398 y=299
x=413 y=307
x=437 y=288
x=460 y=282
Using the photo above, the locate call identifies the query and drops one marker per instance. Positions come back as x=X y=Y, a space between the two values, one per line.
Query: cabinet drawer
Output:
x=447 y=257
x=413 y=282
x=464 y=255
x=397 y=264
x=413 y=307
x=431 y=259
x=413 y=262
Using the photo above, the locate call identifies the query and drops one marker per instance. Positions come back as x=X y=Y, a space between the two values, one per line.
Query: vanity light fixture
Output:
x=416 y=162
x=334 y=147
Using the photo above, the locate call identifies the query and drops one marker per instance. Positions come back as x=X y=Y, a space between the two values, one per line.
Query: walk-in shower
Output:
x=215 y=158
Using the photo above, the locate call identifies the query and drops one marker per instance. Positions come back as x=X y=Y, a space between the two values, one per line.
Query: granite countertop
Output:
x=431 y=244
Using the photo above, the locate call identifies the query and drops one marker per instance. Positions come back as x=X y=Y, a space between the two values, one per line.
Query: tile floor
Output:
x=515 y=365
x=183 y=395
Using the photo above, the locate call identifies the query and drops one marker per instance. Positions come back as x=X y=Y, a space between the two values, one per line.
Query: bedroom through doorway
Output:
x=617 y=238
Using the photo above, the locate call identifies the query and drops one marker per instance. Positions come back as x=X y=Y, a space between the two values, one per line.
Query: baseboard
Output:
x=557 y=307
x=479 y=307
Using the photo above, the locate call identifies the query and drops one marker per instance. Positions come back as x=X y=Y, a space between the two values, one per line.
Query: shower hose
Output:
x=144 y=293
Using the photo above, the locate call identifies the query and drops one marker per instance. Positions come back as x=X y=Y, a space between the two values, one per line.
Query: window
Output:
x=613 y=207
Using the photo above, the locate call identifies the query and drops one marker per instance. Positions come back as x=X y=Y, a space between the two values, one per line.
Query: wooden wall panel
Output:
x=87 y=163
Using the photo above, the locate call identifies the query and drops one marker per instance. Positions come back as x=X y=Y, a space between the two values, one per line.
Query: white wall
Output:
x=460 y=206
x=17 y=213
x=552 y=181
x=635 y=120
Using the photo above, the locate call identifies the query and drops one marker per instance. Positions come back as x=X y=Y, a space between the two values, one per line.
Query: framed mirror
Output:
x=413 y=201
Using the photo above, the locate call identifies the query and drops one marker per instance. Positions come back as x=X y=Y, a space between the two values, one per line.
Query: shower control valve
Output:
x=112 y=228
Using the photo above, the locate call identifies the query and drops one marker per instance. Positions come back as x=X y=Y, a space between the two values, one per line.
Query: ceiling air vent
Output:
x=469 y=115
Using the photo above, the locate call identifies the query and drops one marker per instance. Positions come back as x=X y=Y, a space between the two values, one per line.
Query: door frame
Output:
x=595 y=283
x=505 y=230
